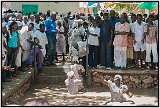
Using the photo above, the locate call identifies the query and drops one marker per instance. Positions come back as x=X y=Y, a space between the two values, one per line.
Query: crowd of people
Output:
x=122 y=41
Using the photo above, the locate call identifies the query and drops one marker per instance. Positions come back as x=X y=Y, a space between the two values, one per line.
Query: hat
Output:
x=32 y=15
x=3 y=24
x=116 y=77
x=70 y=74
x=16 y=14
x=19 y=23
x=25 y=17
x=12 y=19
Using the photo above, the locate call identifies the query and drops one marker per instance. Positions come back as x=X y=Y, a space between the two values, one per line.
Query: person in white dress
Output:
x=61 y=42
x=74 y=82
x=26 y=34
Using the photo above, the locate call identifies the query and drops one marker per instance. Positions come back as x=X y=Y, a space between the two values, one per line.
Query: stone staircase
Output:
x=52 y=75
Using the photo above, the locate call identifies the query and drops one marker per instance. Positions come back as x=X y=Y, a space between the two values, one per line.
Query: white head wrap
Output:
x=118 y=77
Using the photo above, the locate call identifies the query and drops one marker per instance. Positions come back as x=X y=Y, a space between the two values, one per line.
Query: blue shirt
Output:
x=50 y=25
x=105 y=31
x=13 y=39
x=114 y=20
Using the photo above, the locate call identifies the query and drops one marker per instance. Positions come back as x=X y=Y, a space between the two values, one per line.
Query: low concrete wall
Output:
x=131 y=78
x=14 y=90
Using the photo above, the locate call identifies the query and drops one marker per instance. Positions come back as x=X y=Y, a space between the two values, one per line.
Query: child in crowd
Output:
x=13 y=46
x=130 y=51
x=139 y=42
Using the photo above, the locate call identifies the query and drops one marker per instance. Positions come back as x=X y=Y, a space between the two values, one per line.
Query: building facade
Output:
x=60 y=7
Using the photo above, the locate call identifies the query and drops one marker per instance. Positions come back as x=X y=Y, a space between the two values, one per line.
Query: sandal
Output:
x=148 y=68
x=156 y=69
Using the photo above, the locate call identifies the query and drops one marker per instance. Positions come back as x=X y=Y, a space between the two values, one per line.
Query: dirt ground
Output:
x=57 y=95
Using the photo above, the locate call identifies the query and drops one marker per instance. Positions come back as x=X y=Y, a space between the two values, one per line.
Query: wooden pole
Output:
x=34 y=60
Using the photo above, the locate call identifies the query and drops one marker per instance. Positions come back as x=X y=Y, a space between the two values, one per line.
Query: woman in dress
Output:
x=61 y=42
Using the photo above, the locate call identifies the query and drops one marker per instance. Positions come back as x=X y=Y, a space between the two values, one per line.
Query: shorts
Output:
x=130 y=54
x=139 y=47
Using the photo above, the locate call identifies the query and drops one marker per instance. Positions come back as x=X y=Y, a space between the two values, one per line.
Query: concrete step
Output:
x=51 y=79
x=53 y=71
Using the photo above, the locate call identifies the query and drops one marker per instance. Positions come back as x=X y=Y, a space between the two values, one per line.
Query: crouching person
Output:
x=116 y=88
x=41 y=42
x=72 y=83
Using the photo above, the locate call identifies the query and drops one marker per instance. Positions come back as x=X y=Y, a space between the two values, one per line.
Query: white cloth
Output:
x=76 y=82
x=42 y=40
x=120 y=57
x=61 y=41
x=3 y=51
x=93 y=40
x=82 y=48
x=25 y=34
x=74 y=54
x=72 y=85
x=151 y=47
x=36 y=27
x=117 y=92
x=138 y=46
x=138 y=30
x=27 y=24
x=31 y=22
x=18 y=58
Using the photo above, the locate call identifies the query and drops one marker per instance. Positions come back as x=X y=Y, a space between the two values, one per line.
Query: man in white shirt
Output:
x=25 y=21
x=41 y=43
x=93 y=41
x=32 y=19
x=26 y=34
x=36 y=23
x=139 y=44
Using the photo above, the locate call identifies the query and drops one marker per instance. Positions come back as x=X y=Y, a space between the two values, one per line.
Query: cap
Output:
x=12 y=19
x=25 y=17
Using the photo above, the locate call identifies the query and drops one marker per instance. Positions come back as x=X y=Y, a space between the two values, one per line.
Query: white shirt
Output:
x=138 y=30
x=117 y=92
x=25 y=34
x=27 y=24
x=93 y=40
x=36 y=26
x=42 y=40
